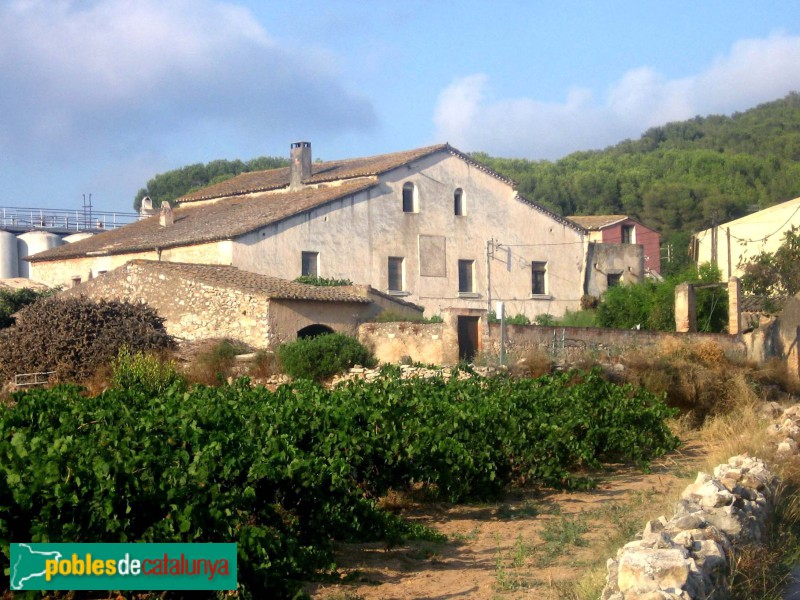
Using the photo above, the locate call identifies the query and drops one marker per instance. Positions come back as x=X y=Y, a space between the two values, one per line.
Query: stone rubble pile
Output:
x=688 y=556
x=415 y=371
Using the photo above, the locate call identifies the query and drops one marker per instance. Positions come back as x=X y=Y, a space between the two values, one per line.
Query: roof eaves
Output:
x=480 y=166
x=243 y=192
x=551 y=214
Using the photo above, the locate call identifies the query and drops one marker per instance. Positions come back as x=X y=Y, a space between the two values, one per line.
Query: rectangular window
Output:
x=396 y=273
x=538 y=272
x=310 y=266
x=466 y=276
x=614 y=279
x=628 y=234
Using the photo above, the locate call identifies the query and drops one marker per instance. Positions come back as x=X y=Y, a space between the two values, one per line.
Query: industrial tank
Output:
x=9 y=256
x=32 y=243
x=77 y=237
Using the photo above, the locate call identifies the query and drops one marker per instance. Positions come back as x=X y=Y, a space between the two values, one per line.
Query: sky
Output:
x=98 y=96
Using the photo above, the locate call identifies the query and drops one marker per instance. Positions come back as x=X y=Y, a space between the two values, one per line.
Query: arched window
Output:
x=459 y=206
x=410 y=198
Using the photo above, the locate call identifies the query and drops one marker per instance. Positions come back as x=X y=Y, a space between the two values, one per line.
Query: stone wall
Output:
x=567 y=340
x=391 y=342
x=689 y=556
x=438 y=343
x=192 y=310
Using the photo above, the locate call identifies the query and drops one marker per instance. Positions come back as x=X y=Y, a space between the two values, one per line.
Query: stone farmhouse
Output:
x=208 y=301
x=429 y=226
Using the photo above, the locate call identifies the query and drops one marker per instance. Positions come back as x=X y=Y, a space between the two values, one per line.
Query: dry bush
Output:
x=775 y=373
x=696 y=378
x=214 y=361
x=74 y=337
x=265 y=365
x=533 y=363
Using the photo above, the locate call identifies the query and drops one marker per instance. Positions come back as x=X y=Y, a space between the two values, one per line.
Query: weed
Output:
x=467 y=537
x=559 y=535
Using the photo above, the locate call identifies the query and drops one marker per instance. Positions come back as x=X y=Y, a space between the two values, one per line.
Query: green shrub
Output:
x=651 y=305
x=578 y=318
x=519 y=319
x=147 y=373
x=322 y=281
x=323 y=356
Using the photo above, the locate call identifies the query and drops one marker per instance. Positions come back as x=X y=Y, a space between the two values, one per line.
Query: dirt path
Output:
x=534 y=544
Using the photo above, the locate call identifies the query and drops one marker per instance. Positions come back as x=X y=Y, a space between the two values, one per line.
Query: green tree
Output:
x=651 y=305
x=167 y=187
x=775 y=273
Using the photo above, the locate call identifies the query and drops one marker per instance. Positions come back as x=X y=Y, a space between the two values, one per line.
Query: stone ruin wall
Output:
x=689 y=555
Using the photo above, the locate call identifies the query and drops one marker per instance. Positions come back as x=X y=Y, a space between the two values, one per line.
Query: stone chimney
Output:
x=166 y=218
x=300 y=168
x=147 y=210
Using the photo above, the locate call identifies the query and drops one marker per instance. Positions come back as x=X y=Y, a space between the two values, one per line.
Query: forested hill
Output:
x=677 y=178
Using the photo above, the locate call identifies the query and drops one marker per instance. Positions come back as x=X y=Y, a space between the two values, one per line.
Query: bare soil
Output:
x=533 y=544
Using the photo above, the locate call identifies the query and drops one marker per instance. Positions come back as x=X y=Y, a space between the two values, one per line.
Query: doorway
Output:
x=469 y=340
x=313 y=331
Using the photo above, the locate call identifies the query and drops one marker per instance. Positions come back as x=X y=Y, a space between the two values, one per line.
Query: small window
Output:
x=538 y=271
x=76 y=280
x=466 y=276
x=410 y=198
x=396 y=273
x=614 y=279
x=310 y=266
x=459 y=208
x=628 y=234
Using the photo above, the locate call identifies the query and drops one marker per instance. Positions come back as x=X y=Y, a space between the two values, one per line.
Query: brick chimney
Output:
x=300 y=168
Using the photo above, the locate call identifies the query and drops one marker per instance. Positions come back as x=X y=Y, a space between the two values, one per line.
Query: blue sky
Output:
x=97 y=96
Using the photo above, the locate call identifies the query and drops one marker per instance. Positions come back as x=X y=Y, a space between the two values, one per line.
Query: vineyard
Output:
x=288 y=473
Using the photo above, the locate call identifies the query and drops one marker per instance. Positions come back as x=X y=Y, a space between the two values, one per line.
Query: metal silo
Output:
x=32 y=243
x=77 y=237
x=9 y=256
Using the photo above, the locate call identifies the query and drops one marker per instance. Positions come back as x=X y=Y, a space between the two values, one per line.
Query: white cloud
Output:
x=754 y=71
x=105 y=75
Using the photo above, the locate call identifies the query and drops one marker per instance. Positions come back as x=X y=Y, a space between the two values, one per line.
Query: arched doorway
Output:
x=313 y=331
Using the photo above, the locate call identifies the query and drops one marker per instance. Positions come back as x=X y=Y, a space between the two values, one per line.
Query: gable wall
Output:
x=355 y=236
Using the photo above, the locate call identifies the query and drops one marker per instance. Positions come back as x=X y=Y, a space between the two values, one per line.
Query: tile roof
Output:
x=246 y=281
x=595 y=222
x=204 y=223
x=321 y=172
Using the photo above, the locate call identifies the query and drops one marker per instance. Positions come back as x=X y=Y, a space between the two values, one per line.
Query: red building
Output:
x=621 y=229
